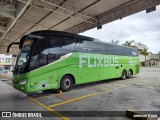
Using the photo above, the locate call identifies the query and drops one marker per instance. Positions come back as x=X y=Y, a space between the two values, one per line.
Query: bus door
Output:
x=40 y=76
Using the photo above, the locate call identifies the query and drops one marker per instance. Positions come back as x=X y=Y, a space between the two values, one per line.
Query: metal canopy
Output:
x=73 y=16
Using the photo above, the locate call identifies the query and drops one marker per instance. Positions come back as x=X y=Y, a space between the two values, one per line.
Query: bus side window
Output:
x=60 y=46
x=88 y=47
x=39 y=55
x=123 y=51
x=134 y=52
x=107 y=48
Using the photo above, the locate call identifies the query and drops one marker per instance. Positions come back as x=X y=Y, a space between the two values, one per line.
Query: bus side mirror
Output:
x=9 y=46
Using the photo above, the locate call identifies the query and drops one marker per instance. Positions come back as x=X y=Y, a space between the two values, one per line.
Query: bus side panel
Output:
x=122 y=65
x=49 y=76
x=127 y=63
x=67 y=70
x=43 y=79
x=107 y=71
x=68 y=66
x=88 y=70
x=136 y=65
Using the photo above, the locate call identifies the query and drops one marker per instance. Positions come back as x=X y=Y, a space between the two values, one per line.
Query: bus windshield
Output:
x=24 y=55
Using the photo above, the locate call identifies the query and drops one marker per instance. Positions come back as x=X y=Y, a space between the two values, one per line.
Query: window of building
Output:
x=8 y=60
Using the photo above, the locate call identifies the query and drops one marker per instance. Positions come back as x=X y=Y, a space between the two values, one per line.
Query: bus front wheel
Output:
x=66 y=83
x=124 y=75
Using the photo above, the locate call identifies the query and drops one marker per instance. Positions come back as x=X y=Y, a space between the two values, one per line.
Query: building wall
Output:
x=140 y=46
x=152 y=63
x=5 y=63
x=151 y=60
x=142 y=58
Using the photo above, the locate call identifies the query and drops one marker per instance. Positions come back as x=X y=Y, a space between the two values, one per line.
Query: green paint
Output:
x=84 y=67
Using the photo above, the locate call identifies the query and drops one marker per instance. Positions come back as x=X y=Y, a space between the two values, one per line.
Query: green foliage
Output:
x=114 y=42
x=129 y=43
x=145 y=52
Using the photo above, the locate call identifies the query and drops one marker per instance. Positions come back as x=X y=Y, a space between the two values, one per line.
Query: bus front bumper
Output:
x=23 y=88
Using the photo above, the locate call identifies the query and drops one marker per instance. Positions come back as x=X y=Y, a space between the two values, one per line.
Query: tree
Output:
x=145 y=53
x=129 y=43
x=114 y=42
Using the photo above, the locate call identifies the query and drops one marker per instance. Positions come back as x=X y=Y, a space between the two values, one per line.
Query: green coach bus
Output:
x=58 y=60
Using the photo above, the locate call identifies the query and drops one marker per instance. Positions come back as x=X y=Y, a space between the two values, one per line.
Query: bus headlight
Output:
x=23 y=82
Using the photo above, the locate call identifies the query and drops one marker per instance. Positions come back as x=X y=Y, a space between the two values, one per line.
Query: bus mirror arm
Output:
x=9 y=46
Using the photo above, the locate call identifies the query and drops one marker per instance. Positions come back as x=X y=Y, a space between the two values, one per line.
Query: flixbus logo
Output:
x=98 y=61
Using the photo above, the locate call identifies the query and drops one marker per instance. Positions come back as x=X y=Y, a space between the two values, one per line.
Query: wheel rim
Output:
x=129 y=73
x=66 y=83
x=124 y=75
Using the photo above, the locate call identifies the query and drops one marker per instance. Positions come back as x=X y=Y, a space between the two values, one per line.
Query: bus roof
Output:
x=47 y=33
x=117 y=45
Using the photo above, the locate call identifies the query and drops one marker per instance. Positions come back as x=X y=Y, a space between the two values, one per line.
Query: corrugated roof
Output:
x=73 y=16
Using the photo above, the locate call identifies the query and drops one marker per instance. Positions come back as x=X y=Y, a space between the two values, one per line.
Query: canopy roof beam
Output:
x=116 y=13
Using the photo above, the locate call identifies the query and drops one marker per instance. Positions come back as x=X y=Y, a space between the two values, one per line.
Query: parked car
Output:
x=4 y=71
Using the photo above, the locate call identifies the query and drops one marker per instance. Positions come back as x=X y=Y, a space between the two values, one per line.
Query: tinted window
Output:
x=88 y=47
x=59 y=46
x=106 y=48
x=134 y=52
x=117 y=50
x=128 y=52
x=39 y=55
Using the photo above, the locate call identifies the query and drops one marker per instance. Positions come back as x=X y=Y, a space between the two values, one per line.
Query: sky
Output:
x=140 y=27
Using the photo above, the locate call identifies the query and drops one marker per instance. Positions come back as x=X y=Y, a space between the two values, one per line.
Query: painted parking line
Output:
x=115 y=88
x=119 y=84
x=82 y=97
x=114 y=83
x=104 y=88
x=50 y=109
x=44 y=106
x=60 y=92
x=45 y=96
x=75 y=99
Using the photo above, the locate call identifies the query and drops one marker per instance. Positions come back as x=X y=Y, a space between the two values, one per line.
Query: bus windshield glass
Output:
x=24 y=54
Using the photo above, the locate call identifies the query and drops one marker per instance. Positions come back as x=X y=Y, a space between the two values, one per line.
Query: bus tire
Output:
x=124 y=75
x=130 y=73
x=66 y=83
